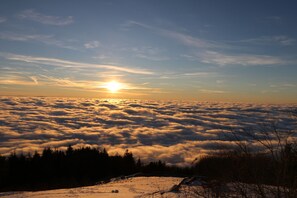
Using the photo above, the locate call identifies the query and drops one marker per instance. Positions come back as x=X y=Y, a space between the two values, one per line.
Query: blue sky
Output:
x=243 y=51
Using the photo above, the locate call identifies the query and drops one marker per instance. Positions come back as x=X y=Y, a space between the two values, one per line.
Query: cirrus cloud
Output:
x=70 y=64
x=2 y=19
x=92 y=44
x=33 y=15
x=221 y=59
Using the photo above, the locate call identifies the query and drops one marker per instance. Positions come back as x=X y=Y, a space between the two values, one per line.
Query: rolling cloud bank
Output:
x=176 y=132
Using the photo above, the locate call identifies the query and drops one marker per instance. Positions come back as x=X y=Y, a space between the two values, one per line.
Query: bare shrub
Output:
x=263 y=165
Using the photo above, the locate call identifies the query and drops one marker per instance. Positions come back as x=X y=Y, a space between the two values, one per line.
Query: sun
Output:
x=113 y=86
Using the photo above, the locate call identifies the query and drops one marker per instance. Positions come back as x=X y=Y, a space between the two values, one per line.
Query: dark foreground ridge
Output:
x=88 y=166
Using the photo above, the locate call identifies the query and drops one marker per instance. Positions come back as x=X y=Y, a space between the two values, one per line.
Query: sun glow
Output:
x=113 y=86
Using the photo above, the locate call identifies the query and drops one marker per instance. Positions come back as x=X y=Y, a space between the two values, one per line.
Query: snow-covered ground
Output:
x=132 y=187
x=158 y=187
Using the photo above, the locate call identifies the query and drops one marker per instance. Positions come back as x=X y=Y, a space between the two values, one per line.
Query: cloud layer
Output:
x=172 y=131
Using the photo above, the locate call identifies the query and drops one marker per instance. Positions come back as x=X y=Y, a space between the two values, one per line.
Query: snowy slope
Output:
x=132 y=187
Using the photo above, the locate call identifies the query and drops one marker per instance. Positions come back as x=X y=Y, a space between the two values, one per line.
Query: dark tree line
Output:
x=55 y=168
x=70 y=168
x=87 y=166
x=253 y=168
x=252 y=172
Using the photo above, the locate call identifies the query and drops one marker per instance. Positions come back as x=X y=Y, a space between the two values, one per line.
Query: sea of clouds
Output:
x=176 y=132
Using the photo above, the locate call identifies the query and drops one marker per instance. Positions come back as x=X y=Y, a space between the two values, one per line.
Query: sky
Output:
x=229 y=51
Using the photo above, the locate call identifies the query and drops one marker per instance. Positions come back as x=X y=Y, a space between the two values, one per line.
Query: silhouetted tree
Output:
x=73 y=167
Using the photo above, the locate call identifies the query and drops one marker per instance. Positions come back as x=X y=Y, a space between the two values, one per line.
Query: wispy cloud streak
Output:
x=270 y=40
x=221 y=59
x=211 y=91
x=149 y=53
x=71 y=64
x=210 y=54
x=3 y=19
x=45 y=39
x=183 y=38
x=13 y=79
x=45 y=19
x=92 y=44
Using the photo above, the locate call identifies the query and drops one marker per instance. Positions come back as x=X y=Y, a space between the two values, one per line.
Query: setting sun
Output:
x=113 y=86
